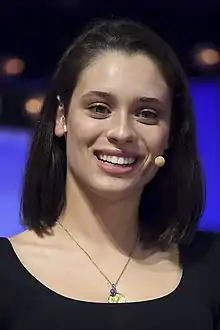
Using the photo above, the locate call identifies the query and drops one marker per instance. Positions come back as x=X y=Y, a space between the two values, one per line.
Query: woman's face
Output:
x=118 y=123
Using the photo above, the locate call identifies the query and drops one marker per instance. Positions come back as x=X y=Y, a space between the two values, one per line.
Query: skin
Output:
x=133 y=117
x=121 y=104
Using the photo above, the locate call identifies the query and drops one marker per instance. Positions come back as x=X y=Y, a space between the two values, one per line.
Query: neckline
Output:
x=49 y=291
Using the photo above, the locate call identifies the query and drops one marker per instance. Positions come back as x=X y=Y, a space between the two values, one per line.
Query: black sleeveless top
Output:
x=26 y=304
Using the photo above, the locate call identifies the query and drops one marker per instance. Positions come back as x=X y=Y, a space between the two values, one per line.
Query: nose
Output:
x=121 y=130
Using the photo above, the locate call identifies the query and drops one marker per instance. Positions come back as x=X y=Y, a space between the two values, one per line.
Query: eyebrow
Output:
x=101 y=94
x=111 y=98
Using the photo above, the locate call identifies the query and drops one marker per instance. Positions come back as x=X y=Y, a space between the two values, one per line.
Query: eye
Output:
x=99 y=110
x=147 y=116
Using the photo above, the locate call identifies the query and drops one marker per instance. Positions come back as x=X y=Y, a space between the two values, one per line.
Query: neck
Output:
x=103 y=222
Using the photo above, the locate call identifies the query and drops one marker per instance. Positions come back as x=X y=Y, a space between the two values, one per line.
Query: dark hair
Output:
x=172 y=203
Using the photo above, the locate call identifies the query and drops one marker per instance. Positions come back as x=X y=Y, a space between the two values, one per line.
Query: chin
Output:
x=114 y=190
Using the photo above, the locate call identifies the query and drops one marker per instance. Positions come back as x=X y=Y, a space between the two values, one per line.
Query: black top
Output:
x=26 y=304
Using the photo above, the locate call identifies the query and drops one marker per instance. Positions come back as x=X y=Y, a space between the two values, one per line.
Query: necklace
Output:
x=114 y=296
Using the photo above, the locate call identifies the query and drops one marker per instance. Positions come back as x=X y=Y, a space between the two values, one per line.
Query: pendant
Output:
x=115 y=297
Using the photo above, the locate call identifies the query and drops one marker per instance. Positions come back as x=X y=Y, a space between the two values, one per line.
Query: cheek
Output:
x=156 y=138
x=82 y=131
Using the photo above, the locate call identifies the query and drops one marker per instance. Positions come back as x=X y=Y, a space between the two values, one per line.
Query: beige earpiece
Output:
x=159 y=161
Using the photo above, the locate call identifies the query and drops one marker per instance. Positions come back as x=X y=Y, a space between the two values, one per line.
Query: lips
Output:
x=116 y=158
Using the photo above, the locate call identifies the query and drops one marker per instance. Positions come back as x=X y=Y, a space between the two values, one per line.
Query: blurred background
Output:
x=34 y=34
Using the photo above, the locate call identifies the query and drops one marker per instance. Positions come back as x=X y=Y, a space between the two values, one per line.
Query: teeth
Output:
x=117 y=160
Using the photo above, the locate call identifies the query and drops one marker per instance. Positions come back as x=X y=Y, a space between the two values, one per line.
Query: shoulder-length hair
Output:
x=172 y=203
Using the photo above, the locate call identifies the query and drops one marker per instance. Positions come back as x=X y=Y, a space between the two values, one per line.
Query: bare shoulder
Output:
x=31 y=249
x=26 y=237
x=31 y=238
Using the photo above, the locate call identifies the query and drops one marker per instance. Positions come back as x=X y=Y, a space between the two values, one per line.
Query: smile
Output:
x=117 y=160
x=114 y=164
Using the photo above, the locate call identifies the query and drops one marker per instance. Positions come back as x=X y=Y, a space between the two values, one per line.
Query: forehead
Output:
x=118 y=73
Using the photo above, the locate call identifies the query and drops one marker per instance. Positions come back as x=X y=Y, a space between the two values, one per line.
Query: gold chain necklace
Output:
x=114 y=296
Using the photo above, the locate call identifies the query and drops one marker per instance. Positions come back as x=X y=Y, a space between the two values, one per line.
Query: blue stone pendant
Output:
x=115 y=297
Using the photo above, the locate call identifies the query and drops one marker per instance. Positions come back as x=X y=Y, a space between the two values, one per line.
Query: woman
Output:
x=113 y=193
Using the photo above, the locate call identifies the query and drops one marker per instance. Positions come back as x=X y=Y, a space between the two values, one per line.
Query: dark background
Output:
x=38 y=32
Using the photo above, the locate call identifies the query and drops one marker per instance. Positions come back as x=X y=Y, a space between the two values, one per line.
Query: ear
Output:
x=60 y=125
